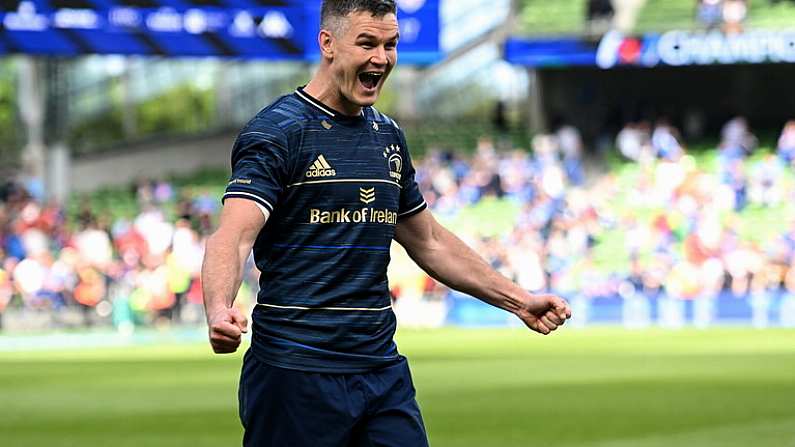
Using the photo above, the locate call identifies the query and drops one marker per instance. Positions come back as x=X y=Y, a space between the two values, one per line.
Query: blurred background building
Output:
x=634 y=156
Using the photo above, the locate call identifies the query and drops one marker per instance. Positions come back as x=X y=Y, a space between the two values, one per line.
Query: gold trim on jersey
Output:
x=351 y=180
x=343 y=309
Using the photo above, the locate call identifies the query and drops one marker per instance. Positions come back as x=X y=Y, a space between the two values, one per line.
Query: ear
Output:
x=326 y=42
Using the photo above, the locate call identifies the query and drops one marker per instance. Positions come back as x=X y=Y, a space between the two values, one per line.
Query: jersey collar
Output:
x=338 y=116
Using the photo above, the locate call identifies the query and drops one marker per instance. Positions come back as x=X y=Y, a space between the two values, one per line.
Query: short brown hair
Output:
x=333 y=10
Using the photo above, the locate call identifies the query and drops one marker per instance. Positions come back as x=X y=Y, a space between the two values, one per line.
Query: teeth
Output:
x=371 y=78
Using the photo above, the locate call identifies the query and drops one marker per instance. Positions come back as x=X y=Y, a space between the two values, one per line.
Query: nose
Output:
x=379 y=56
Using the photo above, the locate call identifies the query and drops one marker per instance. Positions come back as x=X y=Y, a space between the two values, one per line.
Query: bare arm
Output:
x=450 y=261
x=222 y=271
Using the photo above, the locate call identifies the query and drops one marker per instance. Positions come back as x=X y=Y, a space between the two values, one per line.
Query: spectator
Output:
x=94 y=245
x=90 y=290
x=734 y=15
x=710 y=13
x=737 y=141
x=634 y=142
x=6 y=289
x=766 y=178
x=571 y=147
x=786 y=144
x=598 y=9
x=665 y=141
x=28 y=276
x=154 y=228
x=732 y=173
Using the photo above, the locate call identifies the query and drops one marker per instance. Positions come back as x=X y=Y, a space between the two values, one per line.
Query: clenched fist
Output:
x=227 y=326
x=544 y=313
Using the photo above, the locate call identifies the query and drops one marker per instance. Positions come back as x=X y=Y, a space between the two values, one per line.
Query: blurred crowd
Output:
x=143 y=270
x=679 y=228
x=671 y=226
x=727 y=15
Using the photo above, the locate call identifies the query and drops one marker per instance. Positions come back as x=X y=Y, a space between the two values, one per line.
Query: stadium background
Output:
x=634 y=156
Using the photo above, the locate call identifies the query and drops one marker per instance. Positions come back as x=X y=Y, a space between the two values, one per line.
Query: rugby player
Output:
x=322 y=183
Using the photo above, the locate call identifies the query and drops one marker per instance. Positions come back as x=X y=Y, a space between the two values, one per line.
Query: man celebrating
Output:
x=321 y=185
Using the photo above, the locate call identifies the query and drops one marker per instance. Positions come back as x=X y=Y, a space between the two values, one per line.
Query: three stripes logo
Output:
x=321 y=168
x=367 y=196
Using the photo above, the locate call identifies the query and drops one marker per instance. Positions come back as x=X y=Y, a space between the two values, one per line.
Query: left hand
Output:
x=226 y=326
x=544 y=313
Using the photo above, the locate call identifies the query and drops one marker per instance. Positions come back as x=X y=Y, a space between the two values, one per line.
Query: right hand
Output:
x=226 y=326
x=544 y=313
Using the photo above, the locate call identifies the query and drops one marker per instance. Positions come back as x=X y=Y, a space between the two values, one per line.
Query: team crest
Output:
x=394 y=160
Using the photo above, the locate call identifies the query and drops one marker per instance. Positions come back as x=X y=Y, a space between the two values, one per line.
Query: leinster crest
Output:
x=394 y=160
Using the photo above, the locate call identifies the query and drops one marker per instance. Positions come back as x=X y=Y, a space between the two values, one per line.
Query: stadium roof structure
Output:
x=244 y=29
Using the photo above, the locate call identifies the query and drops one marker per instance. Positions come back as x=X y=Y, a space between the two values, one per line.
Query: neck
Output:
x=322 y=89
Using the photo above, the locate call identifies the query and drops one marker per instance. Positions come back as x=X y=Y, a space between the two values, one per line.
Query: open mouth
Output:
x=370 y=79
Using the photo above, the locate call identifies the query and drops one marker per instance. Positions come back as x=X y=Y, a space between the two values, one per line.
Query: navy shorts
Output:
x=288 y=408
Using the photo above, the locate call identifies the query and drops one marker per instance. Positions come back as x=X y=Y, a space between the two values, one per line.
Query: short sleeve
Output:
x=259 y=167
x=411 y=200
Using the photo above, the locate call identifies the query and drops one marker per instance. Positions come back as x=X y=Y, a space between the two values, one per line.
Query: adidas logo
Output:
x=321 y=168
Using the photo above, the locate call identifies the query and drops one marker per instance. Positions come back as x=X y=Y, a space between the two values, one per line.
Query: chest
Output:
x=346 y=169
x=348 y=153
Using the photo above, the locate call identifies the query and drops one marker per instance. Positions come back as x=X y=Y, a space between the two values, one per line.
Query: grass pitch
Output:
x=501 y=388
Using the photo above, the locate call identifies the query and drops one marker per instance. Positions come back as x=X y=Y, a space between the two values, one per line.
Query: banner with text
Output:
x=256 y=29
x=673 y=48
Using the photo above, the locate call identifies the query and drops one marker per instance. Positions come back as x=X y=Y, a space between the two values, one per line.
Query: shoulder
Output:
x=280 y=122
x=383 y=120
x=387 y=124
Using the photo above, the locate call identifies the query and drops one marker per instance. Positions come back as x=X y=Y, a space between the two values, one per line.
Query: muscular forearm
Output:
x=222 y=271
x=451 y=262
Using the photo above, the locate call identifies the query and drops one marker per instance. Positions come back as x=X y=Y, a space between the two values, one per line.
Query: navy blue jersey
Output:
x=335 y=187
